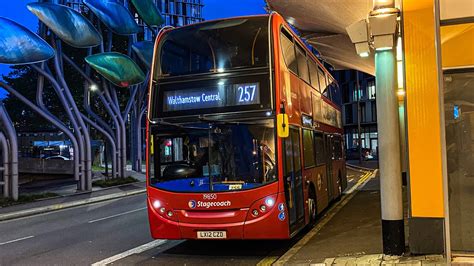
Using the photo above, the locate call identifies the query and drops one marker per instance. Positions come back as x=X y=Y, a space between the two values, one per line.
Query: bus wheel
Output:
x=312 y=206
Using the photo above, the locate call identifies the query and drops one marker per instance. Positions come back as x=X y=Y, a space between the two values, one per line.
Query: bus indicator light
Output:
x=281 y=207
x=281 y=216
x=254 y=212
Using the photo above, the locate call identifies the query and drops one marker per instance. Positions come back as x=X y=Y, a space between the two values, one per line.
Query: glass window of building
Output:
x=371 y=89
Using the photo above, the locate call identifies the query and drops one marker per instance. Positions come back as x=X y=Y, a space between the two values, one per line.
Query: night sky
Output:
x=17 y=11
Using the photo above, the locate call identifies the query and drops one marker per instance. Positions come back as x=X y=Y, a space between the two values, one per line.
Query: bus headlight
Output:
x=262 y=207
x=270 y=201
x=156 y=204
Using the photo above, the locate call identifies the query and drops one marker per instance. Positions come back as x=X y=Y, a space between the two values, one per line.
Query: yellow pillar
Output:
x=424 y=127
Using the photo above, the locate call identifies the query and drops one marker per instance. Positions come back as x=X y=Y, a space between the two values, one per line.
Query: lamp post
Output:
x=378 y=33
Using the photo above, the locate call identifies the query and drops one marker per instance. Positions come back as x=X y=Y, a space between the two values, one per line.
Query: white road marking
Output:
x=116 y=215
x=16 y=240
x=137 y=250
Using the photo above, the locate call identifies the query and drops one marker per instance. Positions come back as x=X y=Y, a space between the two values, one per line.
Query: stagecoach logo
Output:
x=208 y=204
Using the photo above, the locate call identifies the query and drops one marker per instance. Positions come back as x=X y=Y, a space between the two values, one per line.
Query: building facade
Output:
x=176 y=13
x=358 y=108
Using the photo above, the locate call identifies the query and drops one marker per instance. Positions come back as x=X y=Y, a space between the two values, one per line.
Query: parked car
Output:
x=58 y=157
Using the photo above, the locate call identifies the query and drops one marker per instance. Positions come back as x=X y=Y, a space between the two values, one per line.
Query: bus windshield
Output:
x=215 y=46
x=214 y=157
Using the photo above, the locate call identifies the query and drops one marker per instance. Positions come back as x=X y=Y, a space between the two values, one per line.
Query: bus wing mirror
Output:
x=283 y=128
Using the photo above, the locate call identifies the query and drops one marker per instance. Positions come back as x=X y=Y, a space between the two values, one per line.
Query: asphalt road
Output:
x=97 y=232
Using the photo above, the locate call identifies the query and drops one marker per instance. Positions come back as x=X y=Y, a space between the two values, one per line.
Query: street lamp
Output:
x=93 y=87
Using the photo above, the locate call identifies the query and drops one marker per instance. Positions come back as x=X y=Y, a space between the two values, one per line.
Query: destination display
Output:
x=224 y=95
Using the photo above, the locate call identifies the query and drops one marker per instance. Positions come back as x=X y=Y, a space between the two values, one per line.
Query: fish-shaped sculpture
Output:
x=18 y=45
x=144 y=51
x=148 y=12
x=118 y=68
x=114 y=15
x=68 y=24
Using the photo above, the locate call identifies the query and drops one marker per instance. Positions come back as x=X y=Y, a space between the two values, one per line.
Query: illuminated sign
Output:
x=457 y=112
x=218 y=96
x=307 y=121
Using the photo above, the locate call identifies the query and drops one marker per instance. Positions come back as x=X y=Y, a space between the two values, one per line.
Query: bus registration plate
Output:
x=211 y=234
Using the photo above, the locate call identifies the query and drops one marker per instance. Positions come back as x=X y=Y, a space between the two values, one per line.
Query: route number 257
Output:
x=246 y=93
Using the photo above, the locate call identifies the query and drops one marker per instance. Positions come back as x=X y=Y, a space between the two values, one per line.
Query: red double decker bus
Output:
x=244 y=141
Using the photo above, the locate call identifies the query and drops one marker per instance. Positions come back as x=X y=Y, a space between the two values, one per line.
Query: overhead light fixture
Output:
x=383 y=29
x=377 y=32
x=359 y=35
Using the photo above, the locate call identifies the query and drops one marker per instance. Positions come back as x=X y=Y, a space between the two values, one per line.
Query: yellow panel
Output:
x=457 y=45
x=426 y=183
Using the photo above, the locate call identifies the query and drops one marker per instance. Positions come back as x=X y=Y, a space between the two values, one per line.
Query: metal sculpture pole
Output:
x=69 y=134
x=100 y=125
x=62 y=98
x=4 y=147
x=108 y=136
x=42 y=113
x=10 y=134
x=77 y=115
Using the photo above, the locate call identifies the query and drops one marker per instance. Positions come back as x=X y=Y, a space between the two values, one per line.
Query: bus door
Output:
x=329 y=166
x=293 y=179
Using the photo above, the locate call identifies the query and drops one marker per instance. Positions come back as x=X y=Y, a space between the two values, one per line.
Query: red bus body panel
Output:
x=237 y=219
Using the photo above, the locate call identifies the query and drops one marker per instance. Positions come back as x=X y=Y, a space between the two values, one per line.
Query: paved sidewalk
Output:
x=71 y=200
x=353 y=236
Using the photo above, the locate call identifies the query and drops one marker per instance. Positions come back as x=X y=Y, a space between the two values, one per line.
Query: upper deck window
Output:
x=302 y=65
x=215 y=46
x=288 y=49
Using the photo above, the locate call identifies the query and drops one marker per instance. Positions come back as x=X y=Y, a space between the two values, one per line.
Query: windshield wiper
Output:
x=162 y=122
x=224 y=121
